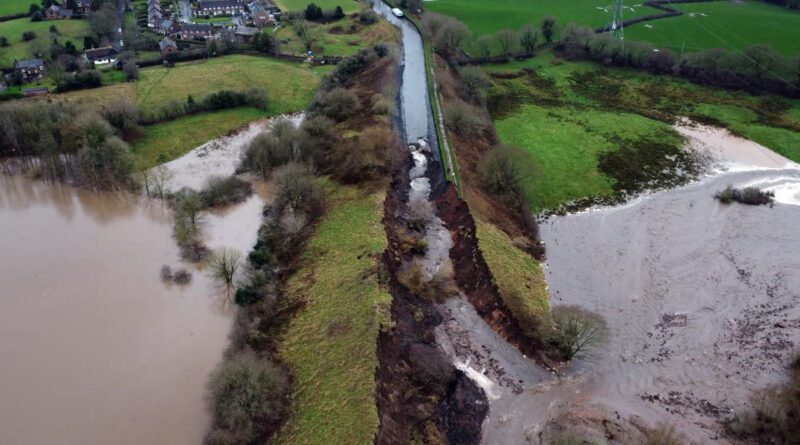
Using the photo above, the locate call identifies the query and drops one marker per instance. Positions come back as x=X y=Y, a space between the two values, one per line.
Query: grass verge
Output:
x=330 y=344
x=519 y=277
x=340 y=38
x=348 y=6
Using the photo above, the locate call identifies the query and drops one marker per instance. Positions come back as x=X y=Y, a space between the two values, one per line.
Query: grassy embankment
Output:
x=300 y=5
x=330 y=344
x=519 y=277
x=568 y=115
x=726 y=24
x=72 y=30
x=11 y=7
x=341 y=38
x=290 y=88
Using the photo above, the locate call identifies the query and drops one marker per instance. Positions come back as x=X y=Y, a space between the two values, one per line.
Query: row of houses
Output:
x=219 y=7
x=57 y=12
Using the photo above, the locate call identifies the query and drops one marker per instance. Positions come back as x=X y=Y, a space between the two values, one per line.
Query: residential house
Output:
x=3 y=87
x=83 y=6
x=154 y=14
x=55 y=12
x=30 y=70
x=167 y=46
x=195 y=31
x=219 y=7
x=100 y=56
x=261 y=17
x=168 y=27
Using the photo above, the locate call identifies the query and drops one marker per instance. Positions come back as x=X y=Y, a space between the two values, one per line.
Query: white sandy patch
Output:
x=733 y=152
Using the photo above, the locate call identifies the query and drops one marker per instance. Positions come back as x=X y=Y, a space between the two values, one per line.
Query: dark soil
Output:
x=421 y=396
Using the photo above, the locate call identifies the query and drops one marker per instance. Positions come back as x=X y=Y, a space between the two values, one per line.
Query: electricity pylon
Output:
x=617 y=22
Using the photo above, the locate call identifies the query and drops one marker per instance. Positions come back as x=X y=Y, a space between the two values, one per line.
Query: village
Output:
x=125 y=35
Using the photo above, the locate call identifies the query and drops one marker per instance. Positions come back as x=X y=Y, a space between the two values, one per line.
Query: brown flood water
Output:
x=93 y=347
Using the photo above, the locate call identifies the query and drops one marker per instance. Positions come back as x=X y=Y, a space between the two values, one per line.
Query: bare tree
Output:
x=484 y=45
x=548 y=28
x=307 y=33
x=223 y=266
x=528 y=38
x=507 y=39
x=159 y=177
x=577 y=330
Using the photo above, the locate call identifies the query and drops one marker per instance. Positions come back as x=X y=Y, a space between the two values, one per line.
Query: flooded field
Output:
x=94 y=348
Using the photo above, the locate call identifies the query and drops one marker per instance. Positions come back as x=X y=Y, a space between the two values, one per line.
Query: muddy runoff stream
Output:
x=94 y=347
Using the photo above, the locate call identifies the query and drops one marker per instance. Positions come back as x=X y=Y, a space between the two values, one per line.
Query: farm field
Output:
x=299 y=5
x=167 y=141
x=73 y=30
x=290 y=86
x=11 y=7
x=568 y=116
x=484 y=17
x=330 y=344
x=724 y=24
x=341 y=38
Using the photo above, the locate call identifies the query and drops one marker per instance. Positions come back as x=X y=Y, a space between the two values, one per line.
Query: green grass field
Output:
x=164 y=142
x=568 y=115
x=73 y=30
x=724 y=24
x=290 y=86
x=11 y=7
x=488 y=17
x=337 y=43
x=299 y=5
x=330 y=344
x=519 y=278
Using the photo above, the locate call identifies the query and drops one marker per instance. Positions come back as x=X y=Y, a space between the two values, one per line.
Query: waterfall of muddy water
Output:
x=94 y=348
x=702 y=299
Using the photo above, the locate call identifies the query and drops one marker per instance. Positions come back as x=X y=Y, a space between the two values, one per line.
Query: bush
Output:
x=165 y=273
x=268 y=150
x=365 y=156
x=577 y=331
x=436 y=288
x=247 y=396
x=503 y=171
x=296 y=191
x=339 y=104
x=317 y=136
x=4 y=42
x=464 y=120
x=27 y=36
x=368 y=17
x=220 y=192
x=749 y=195
x=182 y=276
x=245 y=296
x=313 y=12
x=475 y=84
x=124 y=117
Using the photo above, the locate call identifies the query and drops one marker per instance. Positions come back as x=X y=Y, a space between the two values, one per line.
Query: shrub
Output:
x=27 y=36
x=508 y=40
x=219 y=191
x=577 y=331
x=166 y=273
x=339 y=104
x=317 y=136
x=368 y=17
x=748 y=195
x=365 y=156
x=123 y=115
x=247 y=396
x=503 y=171
x=182 y=276
x=106 y=164
x=464 y=120
x=245 y=296
x=313 y=12
x=436 y=288
x=296 y=190
x=475 y=84
x=268 y=150
x=4 y=42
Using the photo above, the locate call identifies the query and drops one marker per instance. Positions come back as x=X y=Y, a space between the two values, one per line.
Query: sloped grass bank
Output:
x=519 y=278
x=330 y=344
x=72 y=30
